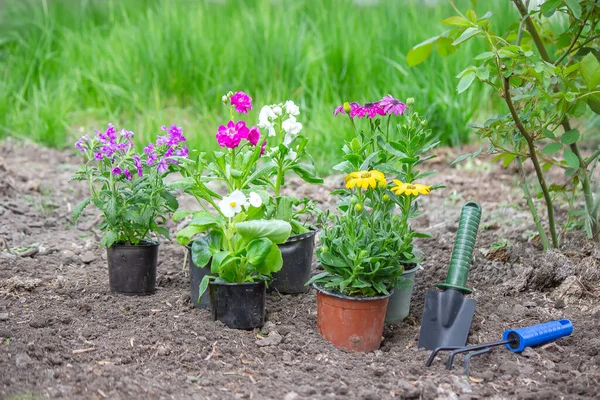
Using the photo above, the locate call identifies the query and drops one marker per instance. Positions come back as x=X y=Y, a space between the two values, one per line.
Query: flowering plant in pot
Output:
x=286 y=150
x=394 y=139
x=231 y=232
x=128 y=188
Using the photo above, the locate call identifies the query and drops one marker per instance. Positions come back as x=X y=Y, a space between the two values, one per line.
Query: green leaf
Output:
x=551 y=148
x=203 y=286
x=307 y=173
x=275 y=230
x=205 y=219
x=185 y=235
x=570 y=137
x=162 y=230
x=571 y=159
x=549 y=7
x=466 y=35
x=109 y=239
x=258 y=250
x=485 y=56
x=80 y=207
x=575 y=7
x=548 y=133
x=272 y=262
x=444 y=46
x=180 y=215
x=465 y=82
x=171 y=200
x=590 y=70
x=201 y=250
x=457 y=20
x=418 y=54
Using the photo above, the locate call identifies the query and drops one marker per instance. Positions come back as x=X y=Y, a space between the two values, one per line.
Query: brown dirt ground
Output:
x=64 y=335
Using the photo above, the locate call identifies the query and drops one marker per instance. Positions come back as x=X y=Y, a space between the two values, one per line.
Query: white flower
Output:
x=291 y=155
x=287 y=140
x=277 y=110
x=291 y=108
x=232 y=204
x=291 y=126
x=265 y=120
x=255 y=200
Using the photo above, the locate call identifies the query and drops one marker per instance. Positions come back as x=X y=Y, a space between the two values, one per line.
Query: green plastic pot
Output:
x=399 y=304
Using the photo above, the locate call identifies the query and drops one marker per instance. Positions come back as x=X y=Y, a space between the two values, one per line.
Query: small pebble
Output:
x=4 y=316
x=88 y=257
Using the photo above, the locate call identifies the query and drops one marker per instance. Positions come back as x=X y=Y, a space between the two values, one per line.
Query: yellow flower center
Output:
x=365 y=174
x=232 y=204
x=411 y=187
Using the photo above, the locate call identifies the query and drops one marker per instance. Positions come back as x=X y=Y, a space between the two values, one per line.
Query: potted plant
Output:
x=235 y=167
x=396 y=141
x=129 y=190
x=286 y=150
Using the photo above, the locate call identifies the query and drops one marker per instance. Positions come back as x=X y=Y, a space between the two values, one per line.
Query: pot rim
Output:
x=237 y=283
x=313 y=230
x=341 y=296
x=417 y=267
x=144 y=243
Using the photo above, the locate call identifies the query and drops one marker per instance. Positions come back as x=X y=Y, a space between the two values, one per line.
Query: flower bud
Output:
x=324 y=249
x=423 y=122
x=386 y=198
x=363 y=254
x=410 y=101
x=358 y=207
x=225 y=99
x=353 y=200
x=347 y=107
x=229 y=94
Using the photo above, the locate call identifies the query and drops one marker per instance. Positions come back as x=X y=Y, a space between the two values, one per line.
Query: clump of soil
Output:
x=64 y=335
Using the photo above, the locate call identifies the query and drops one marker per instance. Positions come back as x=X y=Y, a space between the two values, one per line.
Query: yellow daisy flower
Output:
x=410 y=189
x=365 y=179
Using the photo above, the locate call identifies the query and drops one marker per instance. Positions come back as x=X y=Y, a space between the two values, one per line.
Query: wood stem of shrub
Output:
x=532 y=209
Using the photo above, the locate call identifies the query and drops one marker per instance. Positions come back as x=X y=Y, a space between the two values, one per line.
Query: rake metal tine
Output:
x=471 y=348
x=437 y=350
x=473 y=354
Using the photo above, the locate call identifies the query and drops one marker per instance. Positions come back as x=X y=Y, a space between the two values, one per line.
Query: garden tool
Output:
x=516 y=340
x=448 y=313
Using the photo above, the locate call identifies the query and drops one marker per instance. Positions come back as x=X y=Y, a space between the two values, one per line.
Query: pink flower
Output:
x=340 y=109
x=183 y=152
x=263 y=148
x=253 y=135
x=138 y=165
x=127 y=174
x=392 y=106
x=230 y=136
x=162 y=166
x=368 y=109
x=242 y=102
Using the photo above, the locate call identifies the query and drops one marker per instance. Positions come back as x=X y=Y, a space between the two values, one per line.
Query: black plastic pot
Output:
x=238 y=305
x=132 y=269
x=297 y=253
x=196 y=276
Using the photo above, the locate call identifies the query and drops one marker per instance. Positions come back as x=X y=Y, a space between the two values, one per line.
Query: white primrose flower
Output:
x=255 y=200
x=291 y=108
x=291 y=126
x=232 y=204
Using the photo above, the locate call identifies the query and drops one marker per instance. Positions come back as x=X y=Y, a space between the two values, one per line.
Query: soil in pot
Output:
x=354 y=324
x=196 y=276
x=399 y=305
x=238 y=305
x=297 y=254
x=132 y=268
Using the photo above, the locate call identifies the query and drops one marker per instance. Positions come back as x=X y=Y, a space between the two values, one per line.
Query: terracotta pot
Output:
x=354 y=324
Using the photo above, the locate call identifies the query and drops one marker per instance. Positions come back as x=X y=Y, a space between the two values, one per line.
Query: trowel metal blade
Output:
x=446 y=320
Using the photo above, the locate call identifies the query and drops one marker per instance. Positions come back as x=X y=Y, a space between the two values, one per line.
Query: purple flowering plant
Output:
x=127 y=186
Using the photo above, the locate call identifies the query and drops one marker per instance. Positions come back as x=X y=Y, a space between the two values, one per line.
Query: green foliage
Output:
x=68 y=64
x=542 y=93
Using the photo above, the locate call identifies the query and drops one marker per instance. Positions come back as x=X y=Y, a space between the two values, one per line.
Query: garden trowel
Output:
x=448 y=313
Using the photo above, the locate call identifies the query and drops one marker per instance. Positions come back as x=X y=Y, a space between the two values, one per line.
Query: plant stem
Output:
x=532 y=31
x=536 y=217
x=534 y=160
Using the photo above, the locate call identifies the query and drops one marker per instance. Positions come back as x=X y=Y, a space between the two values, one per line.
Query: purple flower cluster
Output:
x=386 y=106
x=231 y=135
x=242 y=102
x=114 y=149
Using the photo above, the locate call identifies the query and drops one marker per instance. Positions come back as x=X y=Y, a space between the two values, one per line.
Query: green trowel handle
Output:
x=462 y=253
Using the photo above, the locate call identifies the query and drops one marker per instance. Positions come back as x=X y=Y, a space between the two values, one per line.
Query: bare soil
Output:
x=64 y=335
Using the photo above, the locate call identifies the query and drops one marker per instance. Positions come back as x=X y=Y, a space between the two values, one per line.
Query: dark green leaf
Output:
x=571 y=159
x=307 y=173
x=590 y=71
x=551 y=148
x=80 y=207
x=258 y=249
x=570 y=137
x=549 y=7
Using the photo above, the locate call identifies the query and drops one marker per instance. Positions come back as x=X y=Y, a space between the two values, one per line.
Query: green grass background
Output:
x=70 y=66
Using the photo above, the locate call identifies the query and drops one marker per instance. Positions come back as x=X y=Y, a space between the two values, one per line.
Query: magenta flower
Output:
x=116 y=171
x=162 y=166
x=175 y=136
x=263 y=148
x=138 y=165
x=340 y=109
x=126 y=134
x=183 y=152
x=392 y=106
x=230 y=136
x=368 y=109
x=98 y=156
x=127 y=174
x=152 y=157
x=253 y=135
x=242 y=102
x=79 y=144
x=149 y=149
x=109 y=136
